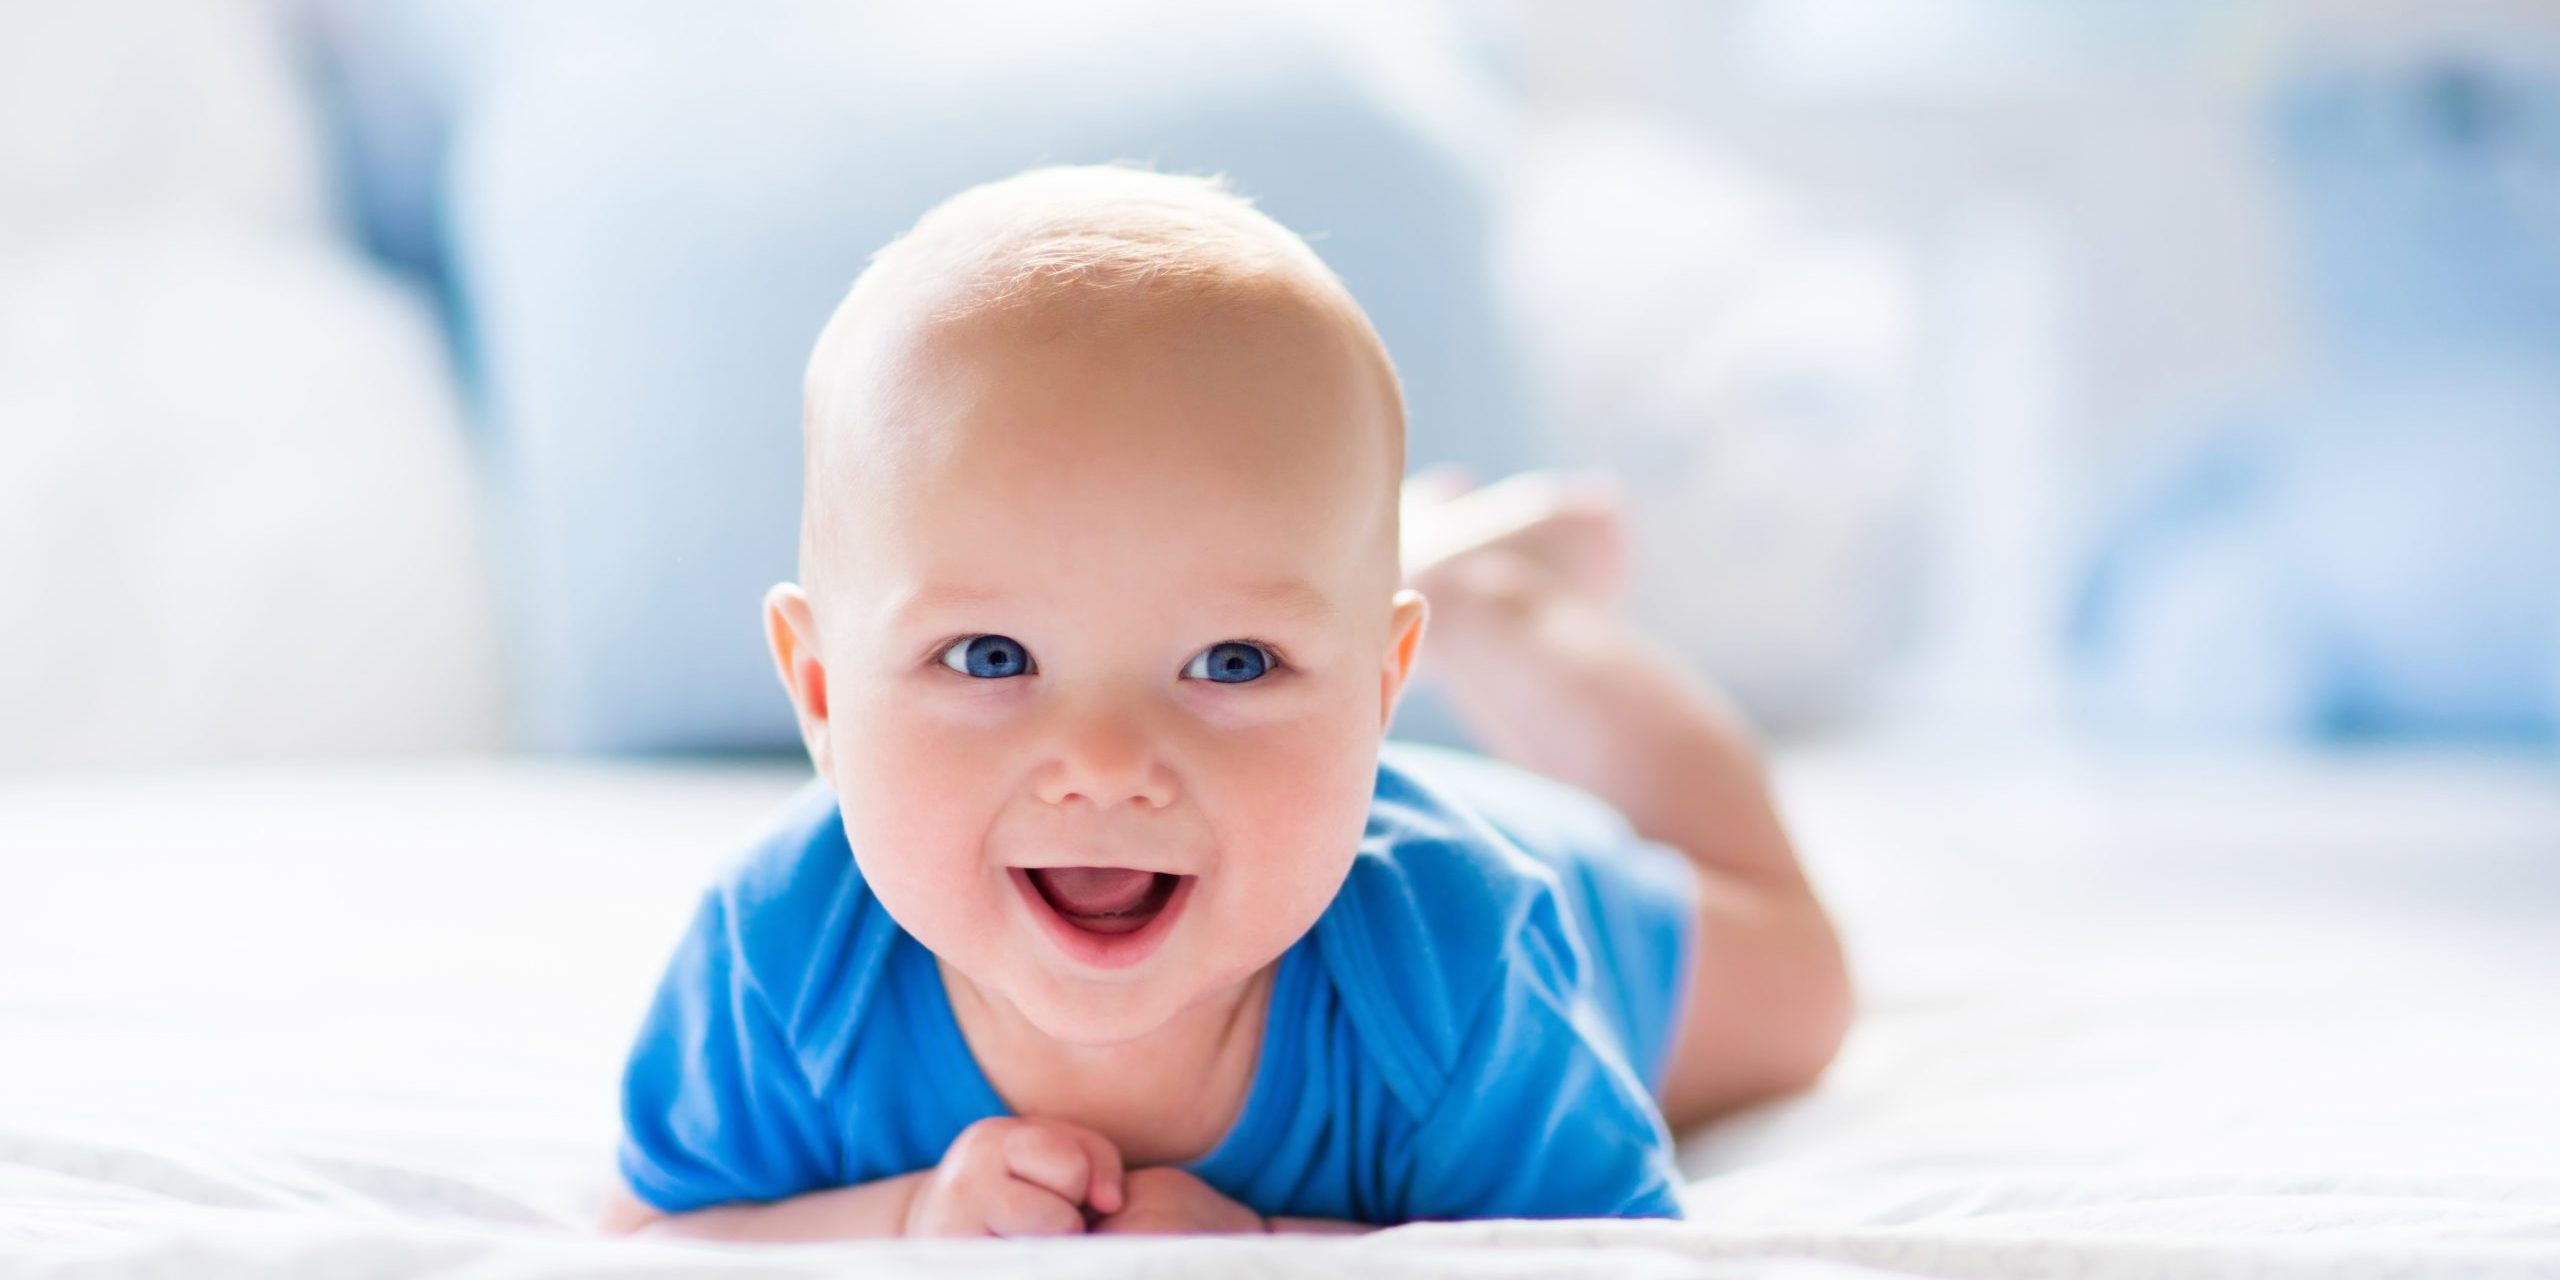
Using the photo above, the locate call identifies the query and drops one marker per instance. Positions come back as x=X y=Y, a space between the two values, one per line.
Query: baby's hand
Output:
x=1007 y=1176
x=1168 y=1202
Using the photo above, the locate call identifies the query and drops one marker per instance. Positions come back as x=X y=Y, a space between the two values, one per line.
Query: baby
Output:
x=1107 y=911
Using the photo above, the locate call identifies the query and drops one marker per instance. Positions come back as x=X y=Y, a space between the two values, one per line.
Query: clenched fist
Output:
x=1008 y=1176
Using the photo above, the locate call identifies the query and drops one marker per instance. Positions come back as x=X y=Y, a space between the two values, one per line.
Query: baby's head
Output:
x=1098 y=570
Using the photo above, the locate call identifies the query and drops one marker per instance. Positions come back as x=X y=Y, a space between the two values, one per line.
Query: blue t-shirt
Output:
x=1472 y=1029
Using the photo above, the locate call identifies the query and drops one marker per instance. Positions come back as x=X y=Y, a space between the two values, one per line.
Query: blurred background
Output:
x=384 y=377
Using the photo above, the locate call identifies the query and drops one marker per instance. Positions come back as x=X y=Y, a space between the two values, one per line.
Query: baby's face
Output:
x=1110 y=631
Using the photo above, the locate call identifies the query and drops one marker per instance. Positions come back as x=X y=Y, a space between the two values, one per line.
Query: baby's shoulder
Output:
x=1445 y=904
x=803 y=929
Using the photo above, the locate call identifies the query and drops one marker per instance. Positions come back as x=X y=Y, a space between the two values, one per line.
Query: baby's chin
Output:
x=1073 y=1009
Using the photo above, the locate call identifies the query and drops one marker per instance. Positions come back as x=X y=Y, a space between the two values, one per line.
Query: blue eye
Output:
x=1230 y=662
x=988 y=657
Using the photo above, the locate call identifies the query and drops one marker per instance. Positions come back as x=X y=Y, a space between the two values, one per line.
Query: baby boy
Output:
x=1107 y=911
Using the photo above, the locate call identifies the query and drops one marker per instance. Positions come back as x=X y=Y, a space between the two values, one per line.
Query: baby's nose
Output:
x=1105 y=759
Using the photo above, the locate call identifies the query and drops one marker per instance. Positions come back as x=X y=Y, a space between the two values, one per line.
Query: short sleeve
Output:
x=714 y=1106
x=1538 y=1120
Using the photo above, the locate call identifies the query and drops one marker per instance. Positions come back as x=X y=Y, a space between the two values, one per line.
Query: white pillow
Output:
x=236 y=510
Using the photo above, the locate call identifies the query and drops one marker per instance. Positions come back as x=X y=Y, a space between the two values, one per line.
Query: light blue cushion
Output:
x=647 y=235
x=2373 y=552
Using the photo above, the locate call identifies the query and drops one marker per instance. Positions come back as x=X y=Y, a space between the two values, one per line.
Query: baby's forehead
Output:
x=1250 y=397
x=1204 y=443
x=902 y=326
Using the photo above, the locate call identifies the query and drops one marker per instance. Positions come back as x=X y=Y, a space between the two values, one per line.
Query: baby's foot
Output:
x=1537 y=531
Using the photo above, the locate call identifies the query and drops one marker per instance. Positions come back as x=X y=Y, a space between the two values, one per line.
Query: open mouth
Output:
x=1104 y=899
x=1104 y=917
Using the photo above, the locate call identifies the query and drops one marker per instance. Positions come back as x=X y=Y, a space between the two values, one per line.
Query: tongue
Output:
x=1094 y=891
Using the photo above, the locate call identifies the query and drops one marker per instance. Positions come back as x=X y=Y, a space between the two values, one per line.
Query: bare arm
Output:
x=1167 y=1200
x=1004 y=1176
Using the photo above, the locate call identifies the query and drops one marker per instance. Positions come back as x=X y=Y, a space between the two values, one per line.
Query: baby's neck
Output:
x=1162 y=1099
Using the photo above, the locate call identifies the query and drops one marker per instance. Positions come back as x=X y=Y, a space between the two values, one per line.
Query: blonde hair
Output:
x=1102 y=237
x=1102 y=230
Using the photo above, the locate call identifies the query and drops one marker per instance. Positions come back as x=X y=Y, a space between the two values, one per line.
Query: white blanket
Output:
x=2133 y=1018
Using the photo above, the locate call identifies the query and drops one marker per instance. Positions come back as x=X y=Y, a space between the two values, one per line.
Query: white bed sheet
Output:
x=2122 y=1017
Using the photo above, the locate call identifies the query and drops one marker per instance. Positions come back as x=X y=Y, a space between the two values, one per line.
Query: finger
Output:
x=1073 y=1161
x=1106 y=1189
x=1018 y=1208
x=1050 y=1157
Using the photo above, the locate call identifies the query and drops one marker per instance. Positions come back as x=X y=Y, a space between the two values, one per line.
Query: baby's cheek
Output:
x=901 y=756
x=916 y=813
x=1304 y=808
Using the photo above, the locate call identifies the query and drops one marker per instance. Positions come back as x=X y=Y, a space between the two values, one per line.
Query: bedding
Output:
x=2265 y=1015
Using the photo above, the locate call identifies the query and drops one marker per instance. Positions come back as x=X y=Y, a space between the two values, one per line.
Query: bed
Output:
x=2123 y=1015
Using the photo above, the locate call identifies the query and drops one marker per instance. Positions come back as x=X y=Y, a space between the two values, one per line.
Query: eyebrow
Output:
x=1291 y=595
x=1294 y=595
x=937 y=597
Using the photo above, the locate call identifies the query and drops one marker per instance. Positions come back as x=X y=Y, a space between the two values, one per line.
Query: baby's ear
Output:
x=1409 y=616
x=792 y=630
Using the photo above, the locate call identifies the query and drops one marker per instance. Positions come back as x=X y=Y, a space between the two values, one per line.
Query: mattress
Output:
x=2121 y=1015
